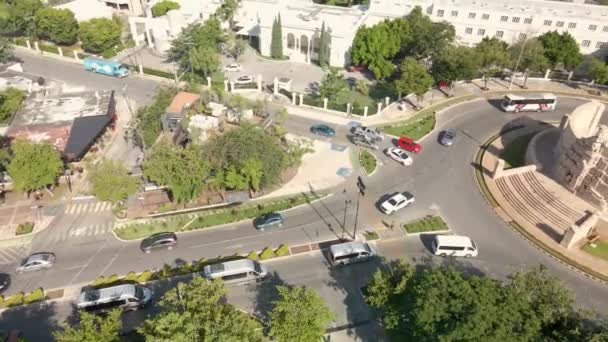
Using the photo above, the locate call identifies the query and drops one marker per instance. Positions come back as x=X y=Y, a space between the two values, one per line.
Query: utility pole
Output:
x=356 y=217
x=521 y=53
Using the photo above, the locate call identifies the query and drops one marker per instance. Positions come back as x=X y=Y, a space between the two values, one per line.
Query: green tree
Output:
x=561 y=49
x=10 y=102
x=6 y=50
x=238 y=145
x=205 y=60
x=456 y=63
x=598 y=70
x=182 y=170
x=332 y=85
x=493 y=54
x=195 y=311
x=147 y=123
x=206 y=35
x=57 y=25
x=233 y=179
x=110 y=181
x=428 y=39
x=375 y=47
x=442 y=304
x=276 y=44
x=99 y=34
x=161 y=8
x=236 y=48
x=299 y=315
x=253 y=171
x=34 y=165
x=413 y=79
x=21 y=17
x=93 y=328
x=323 y=46
x=531 y=55
x=227 y=11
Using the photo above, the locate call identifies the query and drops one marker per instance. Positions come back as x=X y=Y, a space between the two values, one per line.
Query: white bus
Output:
x=127 y=297
x=529 y=102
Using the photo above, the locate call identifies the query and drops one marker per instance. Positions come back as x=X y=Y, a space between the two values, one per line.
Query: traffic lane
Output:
x=139 y=89
x=340 y=288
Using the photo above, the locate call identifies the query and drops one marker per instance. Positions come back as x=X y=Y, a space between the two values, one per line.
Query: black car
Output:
x=5 y=282
x=159 y=240
x=268 y=221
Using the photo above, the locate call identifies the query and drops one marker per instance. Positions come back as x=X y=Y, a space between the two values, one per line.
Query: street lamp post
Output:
x=356 y=216
x=347 y=202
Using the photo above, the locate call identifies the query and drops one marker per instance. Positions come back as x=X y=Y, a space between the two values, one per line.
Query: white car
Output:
x=396 y=202
x=232 y=67
x=399 y=156
x=37 y=262
x=244 y=80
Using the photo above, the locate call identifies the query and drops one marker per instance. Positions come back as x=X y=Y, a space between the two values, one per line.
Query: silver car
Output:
x=447 y=137
x=37 y=261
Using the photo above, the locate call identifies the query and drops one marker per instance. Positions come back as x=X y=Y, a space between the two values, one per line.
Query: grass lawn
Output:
x=514 y=153
x=601 y=249
x=367 y=161
x=427 y=224
x=211 y=218
x=415 y=129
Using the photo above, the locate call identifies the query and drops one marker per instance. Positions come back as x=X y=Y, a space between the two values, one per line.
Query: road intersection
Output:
x=441 y=178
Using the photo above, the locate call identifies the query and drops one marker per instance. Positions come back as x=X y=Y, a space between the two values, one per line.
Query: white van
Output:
x=127 y=297
x=236 y=271
x=454 y=245
x=350 y=252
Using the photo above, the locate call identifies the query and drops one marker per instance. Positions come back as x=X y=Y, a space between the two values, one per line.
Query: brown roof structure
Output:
x=181 y=100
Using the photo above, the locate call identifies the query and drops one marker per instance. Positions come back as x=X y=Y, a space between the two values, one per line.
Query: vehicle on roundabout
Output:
x=268 y=221
x=36 y=262
x=371 y=132
x=159 y=240
x=399 y=156
x=397 y=202
x=448 y=137
x=364 y=141
x=408 y=144
x=528 y=102
x=454 y=245
x=323 y=130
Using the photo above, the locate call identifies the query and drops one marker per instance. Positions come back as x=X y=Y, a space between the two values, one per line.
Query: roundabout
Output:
x=443 y=180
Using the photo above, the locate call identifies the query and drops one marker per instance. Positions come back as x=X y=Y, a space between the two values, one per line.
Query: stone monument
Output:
x=581 y=154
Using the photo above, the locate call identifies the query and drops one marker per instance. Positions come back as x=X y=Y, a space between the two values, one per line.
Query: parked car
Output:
x=268 y=221
x=374 y=133
x=232 y=67
x=244 y=80
x=5 y=282
x=365 y=141
x=447 y=137
x=323 y=130
x=159 y=240
x=408 y=144
x=399 y=156
x=396 y=202
x=37 y=261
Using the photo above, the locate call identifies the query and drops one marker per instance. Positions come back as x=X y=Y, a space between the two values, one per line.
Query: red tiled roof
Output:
x=181 y=100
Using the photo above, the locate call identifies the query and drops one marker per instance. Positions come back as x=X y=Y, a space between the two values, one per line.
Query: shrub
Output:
x=369 y=235
x=158 y=73
x=48 y=48
x=35 y=296
x=14 y=300
x=267 y=253
x=252 y=255
x=20 y=41
x=282 y=250
x=144 y=276
x=24 y=228
x=112 y=279
x=131 y=276
x=99 y=281
x=185 y=268
x=161 y=8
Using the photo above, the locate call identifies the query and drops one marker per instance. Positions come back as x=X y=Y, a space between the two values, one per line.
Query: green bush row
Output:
x=48 y=48
x=158 y=73
x=22 y=298
x=209 y=219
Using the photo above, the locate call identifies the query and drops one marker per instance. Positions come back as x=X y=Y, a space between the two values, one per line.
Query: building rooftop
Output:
x=180 y=101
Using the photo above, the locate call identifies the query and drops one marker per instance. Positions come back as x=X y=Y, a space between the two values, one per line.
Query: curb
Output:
x=430 y=232
x=560 y=258
x=221 y=225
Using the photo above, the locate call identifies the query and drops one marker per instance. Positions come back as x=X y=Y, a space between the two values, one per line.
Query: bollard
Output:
x=208 y=81
x=28 y=44
x=275 y=89
x=301 y=99
x=225 y=85
x=76 y=55
x=60 y=50
x=141 y=69
x=379 y=107
x=365 y=111
x=325 y=103
x=387 y=100
x=293 y=99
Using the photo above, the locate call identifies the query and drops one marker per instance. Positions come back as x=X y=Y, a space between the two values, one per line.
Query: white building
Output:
x=87 y=9
x=302 y=20
x=132 y=7
x=159 y=32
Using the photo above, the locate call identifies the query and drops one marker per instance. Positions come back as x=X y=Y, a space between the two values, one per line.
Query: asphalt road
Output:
x=440 y=178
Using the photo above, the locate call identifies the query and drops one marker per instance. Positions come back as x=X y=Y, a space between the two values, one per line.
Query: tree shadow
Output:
x=266 y=293
x=35 y=321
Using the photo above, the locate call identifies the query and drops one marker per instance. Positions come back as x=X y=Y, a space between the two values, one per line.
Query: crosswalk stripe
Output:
x=9 y=255
x=98 y=205
x=79 y=208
